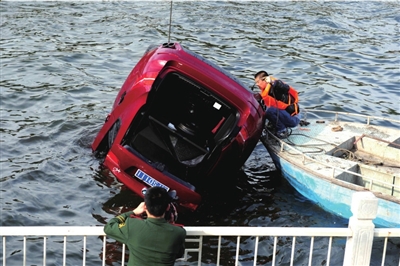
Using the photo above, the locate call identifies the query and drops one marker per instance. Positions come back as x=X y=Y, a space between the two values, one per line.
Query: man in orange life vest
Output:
x=281 y=101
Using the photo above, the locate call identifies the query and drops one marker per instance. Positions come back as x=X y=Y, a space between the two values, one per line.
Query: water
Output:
x=62 y=64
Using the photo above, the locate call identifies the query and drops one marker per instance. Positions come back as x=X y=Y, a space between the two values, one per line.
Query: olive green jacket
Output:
x=151 y=241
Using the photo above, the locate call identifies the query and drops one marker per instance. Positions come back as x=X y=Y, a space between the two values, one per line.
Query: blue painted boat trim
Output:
x=331 y=197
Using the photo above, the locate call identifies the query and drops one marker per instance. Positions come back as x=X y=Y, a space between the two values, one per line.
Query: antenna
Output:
x=170 y=21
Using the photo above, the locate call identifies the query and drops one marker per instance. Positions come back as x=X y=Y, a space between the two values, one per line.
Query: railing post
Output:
x=358 y=250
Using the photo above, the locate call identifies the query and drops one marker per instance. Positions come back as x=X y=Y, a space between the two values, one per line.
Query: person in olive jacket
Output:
x=152 y=241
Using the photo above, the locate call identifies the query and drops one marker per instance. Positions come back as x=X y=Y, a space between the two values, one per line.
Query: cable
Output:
x=170 y=22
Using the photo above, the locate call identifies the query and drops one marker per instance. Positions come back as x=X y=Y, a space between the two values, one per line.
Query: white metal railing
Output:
x=357 y=239
x=199 y=232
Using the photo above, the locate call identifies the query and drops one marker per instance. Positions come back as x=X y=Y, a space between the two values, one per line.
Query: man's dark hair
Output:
x=156 y=200
x=261 y=73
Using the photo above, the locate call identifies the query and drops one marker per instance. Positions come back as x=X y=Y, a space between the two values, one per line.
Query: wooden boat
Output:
x=331 y=155
x=177 y=122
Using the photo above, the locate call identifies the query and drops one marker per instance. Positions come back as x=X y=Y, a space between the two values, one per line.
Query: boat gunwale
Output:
x=337 y=113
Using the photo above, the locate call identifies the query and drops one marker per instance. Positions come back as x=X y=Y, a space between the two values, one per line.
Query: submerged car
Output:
x=179 y=122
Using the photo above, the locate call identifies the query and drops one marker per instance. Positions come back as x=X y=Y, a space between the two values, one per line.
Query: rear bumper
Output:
x=137 y=174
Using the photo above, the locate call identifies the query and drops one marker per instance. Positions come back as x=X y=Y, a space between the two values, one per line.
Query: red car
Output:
x=177 y=121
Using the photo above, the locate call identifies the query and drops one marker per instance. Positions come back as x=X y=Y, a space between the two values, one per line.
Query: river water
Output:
x=62 y=64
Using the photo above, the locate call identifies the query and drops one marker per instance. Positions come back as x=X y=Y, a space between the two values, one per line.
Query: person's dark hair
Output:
x=156 y=200
x=261 y=74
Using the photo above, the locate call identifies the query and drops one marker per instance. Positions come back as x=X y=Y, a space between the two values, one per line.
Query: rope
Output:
x=350 y=155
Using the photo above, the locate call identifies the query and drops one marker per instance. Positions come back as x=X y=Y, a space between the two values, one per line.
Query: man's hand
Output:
x=140 y=209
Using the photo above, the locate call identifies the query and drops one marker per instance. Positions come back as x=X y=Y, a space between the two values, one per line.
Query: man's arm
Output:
x=116 y=228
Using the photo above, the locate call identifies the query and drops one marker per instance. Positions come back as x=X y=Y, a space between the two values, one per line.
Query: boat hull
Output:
x=333 y=198
x=333 y=189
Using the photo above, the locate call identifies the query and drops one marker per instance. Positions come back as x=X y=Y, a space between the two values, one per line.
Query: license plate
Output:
x=149 y=180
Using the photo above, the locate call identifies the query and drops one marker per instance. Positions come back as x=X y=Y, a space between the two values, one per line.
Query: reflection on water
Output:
x=62 y=64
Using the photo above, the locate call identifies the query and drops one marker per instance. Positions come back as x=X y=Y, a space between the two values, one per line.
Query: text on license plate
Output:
x=149 y=180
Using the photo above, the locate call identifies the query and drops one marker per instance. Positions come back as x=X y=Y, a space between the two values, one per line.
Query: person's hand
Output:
x=140 y=209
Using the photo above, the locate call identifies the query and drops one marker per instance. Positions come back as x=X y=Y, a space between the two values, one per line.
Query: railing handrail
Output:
x=359 y=235
x=196 y=231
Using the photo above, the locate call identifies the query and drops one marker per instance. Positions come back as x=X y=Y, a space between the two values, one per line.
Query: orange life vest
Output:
x=292 y=100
